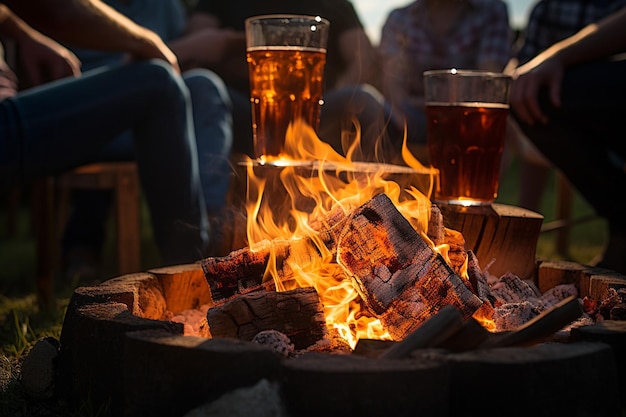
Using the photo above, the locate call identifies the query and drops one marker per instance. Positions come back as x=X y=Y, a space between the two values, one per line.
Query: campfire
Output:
x=341 y=251
x=355 y=295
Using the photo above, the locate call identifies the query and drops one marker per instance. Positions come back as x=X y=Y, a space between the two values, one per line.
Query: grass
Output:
x=22 y=325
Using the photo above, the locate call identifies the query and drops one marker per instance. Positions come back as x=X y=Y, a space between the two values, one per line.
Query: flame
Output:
x=308 y=182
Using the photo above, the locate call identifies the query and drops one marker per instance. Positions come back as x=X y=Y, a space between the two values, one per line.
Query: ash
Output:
x=260 y=400
x=194 y=320
x=516 y=301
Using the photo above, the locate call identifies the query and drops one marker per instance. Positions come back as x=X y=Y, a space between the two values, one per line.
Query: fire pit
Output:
x=116 y=351
x=381 y=296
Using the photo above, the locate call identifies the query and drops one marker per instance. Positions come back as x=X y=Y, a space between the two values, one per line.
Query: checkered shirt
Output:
x=553 y=20
x=483 y=35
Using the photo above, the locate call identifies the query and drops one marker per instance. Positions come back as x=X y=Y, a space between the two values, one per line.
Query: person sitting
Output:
x=549 y=22
x=84 y=235
x=350 y=73
x=569 y=102
x=59 y=125
x=438 y=34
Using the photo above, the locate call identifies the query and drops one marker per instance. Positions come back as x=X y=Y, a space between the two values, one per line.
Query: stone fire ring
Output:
x=116 y=352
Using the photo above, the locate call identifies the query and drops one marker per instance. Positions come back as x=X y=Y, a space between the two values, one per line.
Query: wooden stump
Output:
x=341 y=385
x=551 y=379
x=507 y=235
x=613 y=333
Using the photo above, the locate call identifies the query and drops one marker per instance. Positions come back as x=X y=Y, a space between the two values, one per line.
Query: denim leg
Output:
x=70 y=122
x=214 y=134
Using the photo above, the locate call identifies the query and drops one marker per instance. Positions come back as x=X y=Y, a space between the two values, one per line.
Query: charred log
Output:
x=402 y=280
x=299 y=314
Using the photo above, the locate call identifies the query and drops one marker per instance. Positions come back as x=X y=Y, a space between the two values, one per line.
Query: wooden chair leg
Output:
x=127 y=213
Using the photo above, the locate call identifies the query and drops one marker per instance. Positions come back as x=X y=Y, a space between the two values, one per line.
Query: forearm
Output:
x=11 y=26
x=600 y=40
x=107 y=29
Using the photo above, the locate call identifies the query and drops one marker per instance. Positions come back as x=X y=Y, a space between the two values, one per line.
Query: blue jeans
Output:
x=212 y=122
x=53 y=128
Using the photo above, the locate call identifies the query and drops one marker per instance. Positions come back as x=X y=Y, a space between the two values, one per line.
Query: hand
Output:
x=529 y=79
x=151 y=46
x=43 y=59
x=8 y=81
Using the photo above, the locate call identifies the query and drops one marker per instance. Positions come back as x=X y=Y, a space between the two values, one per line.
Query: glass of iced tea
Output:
x=466 y=113
x=286 y=58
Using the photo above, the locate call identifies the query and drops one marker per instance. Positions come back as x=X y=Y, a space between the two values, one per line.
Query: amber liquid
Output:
x=465 y=143
x=285 y=85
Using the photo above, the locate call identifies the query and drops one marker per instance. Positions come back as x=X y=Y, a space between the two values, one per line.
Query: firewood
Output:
x=372 y=348
x=436 y=229
x=470 y=336
x=398 y=275
x=298 y=313
x=506 y=235
x=244 y=270
x=457 y=254
x=432 y=332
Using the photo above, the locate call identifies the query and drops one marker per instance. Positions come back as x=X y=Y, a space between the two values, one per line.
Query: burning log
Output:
x=298 y=314
x=242 y=271
x=402 y=280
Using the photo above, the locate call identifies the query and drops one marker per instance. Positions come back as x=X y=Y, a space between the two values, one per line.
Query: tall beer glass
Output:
x=286 y=59
x=466 y=113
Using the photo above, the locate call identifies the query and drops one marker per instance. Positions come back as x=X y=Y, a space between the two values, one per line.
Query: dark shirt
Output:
x=341 y=14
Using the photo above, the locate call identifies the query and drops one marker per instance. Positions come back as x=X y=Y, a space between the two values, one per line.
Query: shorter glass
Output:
x=466 y=112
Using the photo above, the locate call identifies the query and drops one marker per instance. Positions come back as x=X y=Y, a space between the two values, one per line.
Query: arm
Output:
x=8 y=79
x=41 y=58
x=595 y=41
x=92 y=24
x=226 y=54
x=209 y=46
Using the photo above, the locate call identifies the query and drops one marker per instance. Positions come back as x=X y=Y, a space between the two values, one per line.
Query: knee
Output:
x=161 y=78
x=207 y=84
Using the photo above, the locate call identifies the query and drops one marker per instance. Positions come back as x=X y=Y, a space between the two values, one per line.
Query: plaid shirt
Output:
x=553 y=20
x=483 y=35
